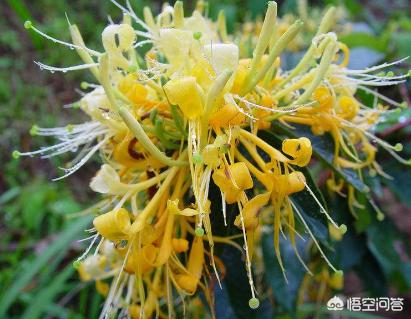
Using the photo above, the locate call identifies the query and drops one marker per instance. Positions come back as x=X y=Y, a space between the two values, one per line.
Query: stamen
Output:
x=29 y=25
x=53 y=69
x=313 y=238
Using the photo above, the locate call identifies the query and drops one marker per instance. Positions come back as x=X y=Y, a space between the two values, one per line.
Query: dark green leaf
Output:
x=30 y=269
x=401 y=182
x=364 y=40
x=285 y=293
x=46 y=295
x=381 y=242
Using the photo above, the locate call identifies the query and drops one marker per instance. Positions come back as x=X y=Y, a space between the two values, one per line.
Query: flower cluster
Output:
x=184 y=117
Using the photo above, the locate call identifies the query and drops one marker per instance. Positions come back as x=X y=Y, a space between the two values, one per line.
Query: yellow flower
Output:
x=114 y=225
x=184 y=93
x=233 y=180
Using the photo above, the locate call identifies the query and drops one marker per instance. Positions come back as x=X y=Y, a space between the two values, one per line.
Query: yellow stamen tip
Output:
x=398 y=147
x=76 y=264
x=28 y=24
x=380 y=216
x=199 y=232
x=339 y=273
x=16 y=154
x=34 y=130
x=197 y=35
x=84 y=85
x=254 y=303
x=343 y=228
x=197 y=159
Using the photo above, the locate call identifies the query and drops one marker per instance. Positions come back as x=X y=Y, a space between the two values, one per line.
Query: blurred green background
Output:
x=36 y=276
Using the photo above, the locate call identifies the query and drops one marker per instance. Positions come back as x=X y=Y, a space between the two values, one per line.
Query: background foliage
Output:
x=36 y=276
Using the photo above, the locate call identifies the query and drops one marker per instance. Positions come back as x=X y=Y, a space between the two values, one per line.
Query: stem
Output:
x=145 y=141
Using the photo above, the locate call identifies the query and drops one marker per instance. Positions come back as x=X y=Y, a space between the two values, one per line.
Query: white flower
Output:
x=107 y=181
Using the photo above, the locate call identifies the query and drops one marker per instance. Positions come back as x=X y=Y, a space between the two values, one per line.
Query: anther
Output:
x=28 y=24
x=343 y=228
x=34 y=130
x=70 y=128
x=84 y=85
x=199 y=231
x=16 y=154
x=76 y=264
x=132 y=68
x=254 y=303
x=380 y=216
x=398 y=147
x=197 y=35
x=197 y=158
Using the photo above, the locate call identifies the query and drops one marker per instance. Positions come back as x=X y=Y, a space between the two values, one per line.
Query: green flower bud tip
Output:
x=398 y=147
x=34 y=130
x=84 y=85
x=390 y=74
x=343 y=228
x=16 y=154
x=254 y=303
x=197 y=35
x=28 y=24
x=199 y=232
x=76 y=264
x=197 y=159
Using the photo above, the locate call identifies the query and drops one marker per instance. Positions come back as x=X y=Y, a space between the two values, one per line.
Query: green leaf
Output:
x=285 y=293
x=30 y=268
x=46 y=295
x=368 y=40
x=34 y=202
x=400 y=185
x=371 y=275
x=402 y=41
x=323 y=149
x=389 y=119
x=381 y=239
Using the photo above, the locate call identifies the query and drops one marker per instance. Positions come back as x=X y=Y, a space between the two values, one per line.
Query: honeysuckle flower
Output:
x=186 y=115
